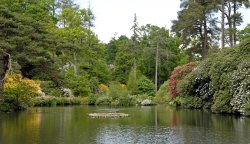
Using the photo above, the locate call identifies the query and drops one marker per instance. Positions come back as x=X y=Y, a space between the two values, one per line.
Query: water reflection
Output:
x=71 y=125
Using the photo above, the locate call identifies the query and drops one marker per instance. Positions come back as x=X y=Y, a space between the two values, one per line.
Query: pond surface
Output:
x=145 y=125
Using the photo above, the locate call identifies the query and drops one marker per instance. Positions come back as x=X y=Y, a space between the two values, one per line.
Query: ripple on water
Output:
x=115 y=134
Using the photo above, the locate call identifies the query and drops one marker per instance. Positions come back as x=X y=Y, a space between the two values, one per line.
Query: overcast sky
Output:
x=116 y=16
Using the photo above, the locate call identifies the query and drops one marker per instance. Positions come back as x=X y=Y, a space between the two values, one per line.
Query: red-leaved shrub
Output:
x=178 y=74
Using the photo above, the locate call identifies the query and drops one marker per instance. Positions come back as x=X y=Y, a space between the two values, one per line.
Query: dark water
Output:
x=146 y=125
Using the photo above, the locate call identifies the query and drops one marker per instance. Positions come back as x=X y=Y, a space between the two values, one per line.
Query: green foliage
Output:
x=92 y=99
x=196 y=15
x=163 y=95
x=187 y=102
x=247 y=108
x=117 y=94
x=56 y=101
x=132 y=83
x=222 y=102
x=117 y=91
x=221 y=81
x=50 y=89
x=18 y=93
x=79 y=84
x=103 y=100
x=245 y=33
x=123 y=53
x=145 y=86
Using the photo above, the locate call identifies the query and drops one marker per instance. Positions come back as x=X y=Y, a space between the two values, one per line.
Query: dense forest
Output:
x=51 y=56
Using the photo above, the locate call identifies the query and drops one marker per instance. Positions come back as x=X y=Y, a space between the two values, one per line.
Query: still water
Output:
x=145 y=125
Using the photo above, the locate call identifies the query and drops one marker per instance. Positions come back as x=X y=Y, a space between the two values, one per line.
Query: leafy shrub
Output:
x=141 y=97
x=92 y=99
x=117 y=91
x=187 y=102
x=54 y=101
x=127 y=100
x=102 y=89
x=18 y=92
x=222 y=102
x=247 y=109
x=240 y=79
x=119 y=95
x=178 y=74
x=221 y=81
x=163 y=94
x=146 y=86
x=132 y=82
x=50 y=89
x=103 y=100
x=80 y=85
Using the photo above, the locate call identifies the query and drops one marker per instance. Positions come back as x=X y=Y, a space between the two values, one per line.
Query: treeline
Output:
x=51 y=42
x=48 y=48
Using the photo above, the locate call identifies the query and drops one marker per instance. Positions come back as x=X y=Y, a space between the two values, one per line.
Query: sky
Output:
x=115 y=17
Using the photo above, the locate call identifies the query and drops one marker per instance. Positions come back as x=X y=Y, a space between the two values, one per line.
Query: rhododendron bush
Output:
x=220 y=83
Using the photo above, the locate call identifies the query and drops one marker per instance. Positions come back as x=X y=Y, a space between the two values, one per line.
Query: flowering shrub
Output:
x=18 y=92
x=178 y=74
x=241 y=87
x=220 y=83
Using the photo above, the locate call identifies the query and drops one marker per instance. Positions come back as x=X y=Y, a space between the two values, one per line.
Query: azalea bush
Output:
x=18 y=92
x=178 y=74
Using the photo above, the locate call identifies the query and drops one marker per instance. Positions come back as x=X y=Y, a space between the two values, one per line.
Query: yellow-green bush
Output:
x=18 y=92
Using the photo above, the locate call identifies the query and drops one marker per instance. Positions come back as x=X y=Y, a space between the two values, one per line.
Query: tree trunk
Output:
x=156 y=66
x=222 y=24
x=75 y=63
x=205 y=50
x=4 y=66
x=234 y=23
x=230 y=23
x=135 y=69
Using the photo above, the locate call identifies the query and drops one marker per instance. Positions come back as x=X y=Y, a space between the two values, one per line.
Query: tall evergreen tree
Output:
x=197 y=25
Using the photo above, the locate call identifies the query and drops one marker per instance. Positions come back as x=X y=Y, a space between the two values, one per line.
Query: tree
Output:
x=123 y=61
x=197 y=25
x=4 y=67
x=28 y=45
x=229 y=10
x=132 y=83
x=161 y=53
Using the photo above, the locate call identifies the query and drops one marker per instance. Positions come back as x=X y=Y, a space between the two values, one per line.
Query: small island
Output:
x=107 y=115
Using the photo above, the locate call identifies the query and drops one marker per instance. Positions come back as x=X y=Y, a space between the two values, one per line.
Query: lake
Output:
x=145 y=125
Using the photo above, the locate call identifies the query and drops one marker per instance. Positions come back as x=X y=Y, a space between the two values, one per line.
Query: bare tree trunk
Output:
x=205 y=51
x=135 y=69
x=234 y=23
x=230 y=23
x=75 y=63
x=156 y=66
x=4 y=67
x=222 y=24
